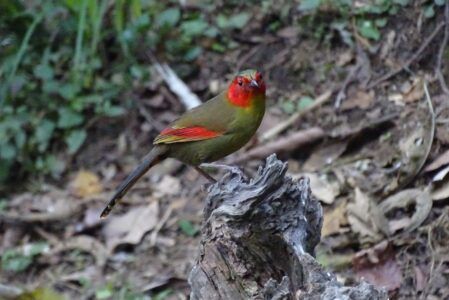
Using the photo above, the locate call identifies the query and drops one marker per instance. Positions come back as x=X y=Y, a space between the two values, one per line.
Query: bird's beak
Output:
x=254 y=83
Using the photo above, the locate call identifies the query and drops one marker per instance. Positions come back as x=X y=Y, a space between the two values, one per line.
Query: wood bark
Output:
x=258 y=241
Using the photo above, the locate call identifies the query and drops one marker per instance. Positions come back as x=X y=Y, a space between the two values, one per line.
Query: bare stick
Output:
x=176 y=85
x=285 y=144
x=438 y=72
x=320 y=100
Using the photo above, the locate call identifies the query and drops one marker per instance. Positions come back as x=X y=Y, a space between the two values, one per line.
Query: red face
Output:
x=244 y=87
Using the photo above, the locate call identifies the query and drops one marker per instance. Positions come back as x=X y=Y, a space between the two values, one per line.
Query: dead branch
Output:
x=176 y=85
x=411 y=59
x=438 y=72
x=320 y=100
x=282 y=145
x=258 y=242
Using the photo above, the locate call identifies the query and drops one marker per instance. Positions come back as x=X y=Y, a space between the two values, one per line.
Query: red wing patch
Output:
x=185 y=134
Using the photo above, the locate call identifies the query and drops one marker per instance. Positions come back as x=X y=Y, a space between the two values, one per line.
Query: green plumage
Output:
x=228 y=123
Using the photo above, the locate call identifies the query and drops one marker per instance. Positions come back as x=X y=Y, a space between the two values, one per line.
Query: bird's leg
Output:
x=204 y=173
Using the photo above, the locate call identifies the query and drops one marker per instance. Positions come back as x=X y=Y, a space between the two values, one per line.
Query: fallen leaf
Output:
x=441 y=174
x=440 y=190
x=130 y=227
x=325 y=155
x=288 y=32
x=403 y=199
x=321 y=188
x=416 y=92
x=437 y=163
x=85 y=184
x=378 y=266
x=169 y=185
x=334 y=219
x=360 y=218
x=359 y=99
x=344 y=58
x=386 y=274
x=85 y=243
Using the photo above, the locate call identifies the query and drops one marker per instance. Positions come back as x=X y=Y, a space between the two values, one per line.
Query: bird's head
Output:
x=246 y=87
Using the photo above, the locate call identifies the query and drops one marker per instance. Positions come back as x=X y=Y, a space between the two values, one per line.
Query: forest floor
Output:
x=368 y=123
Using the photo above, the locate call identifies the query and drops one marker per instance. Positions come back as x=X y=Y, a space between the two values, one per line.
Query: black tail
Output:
x=155 y=156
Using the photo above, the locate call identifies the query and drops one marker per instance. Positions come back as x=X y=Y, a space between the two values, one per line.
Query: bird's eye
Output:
x=240 y=81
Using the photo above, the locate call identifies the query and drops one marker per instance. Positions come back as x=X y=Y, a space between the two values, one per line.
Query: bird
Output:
x=206 y=133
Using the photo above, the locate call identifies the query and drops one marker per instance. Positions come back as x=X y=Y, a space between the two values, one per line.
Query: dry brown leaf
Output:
x=130 y=227
x=321 y=188
x=437 y=163
x=359 y=99
x=403 y=199
x=169 y=185
x=85 y=243
x=344 y=58
x=325 y=155
x=85 y=184
x=440 y=190
x=334 y=219
x=360 y=218
x=386 y=274
x=378 y=266
x=416 y=92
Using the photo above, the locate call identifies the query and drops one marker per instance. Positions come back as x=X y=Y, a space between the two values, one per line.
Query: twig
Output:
x=176 y=85
x=284 y=144
x=349 y=79
x=321 y=99
x=438 y=72
x=362 y=60
x=429 y=145
x=415 y=56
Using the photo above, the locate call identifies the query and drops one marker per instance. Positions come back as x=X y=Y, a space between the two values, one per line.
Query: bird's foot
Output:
x=205 y=174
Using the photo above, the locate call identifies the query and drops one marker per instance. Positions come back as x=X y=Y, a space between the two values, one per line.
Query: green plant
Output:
x=19 y=259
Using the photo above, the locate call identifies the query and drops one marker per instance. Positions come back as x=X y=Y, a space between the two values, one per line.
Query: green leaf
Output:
x=193 y=53
x=440 y=2
x=20 y=259
x=44 y=72
x=368 y=29
x=187 y=227
x=13 y=261
x=402 y=2
x=163 y=295
x=194 y=27
x=68 y=118
x=307 y=5
x=104 y=293
x=7 y=151
x=169 y=17
x=239 y=20
x=69 y=90
x=429 y=12
x=114 y=111
x=304 y=102
x=75 y=139
x=381 y=22
x=44 y=132
x=288 y=107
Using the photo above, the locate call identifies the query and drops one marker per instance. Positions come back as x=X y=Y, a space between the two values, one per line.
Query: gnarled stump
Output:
x=258 y=242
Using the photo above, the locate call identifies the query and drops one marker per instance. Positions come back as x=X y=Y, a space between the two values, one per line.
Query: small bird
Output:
x=208 y=132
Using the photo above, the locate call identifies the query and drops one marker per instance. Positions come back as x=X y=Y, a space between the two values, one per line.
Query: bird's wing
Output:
x=172 y=135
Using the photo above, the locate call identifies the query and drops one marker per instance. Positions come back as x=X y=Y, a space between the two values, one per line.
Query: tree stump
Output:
x=258 y=241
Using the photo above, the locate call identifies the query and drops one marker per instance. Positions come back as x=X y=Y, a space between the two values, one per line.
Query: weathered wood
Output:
x=258 y=242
